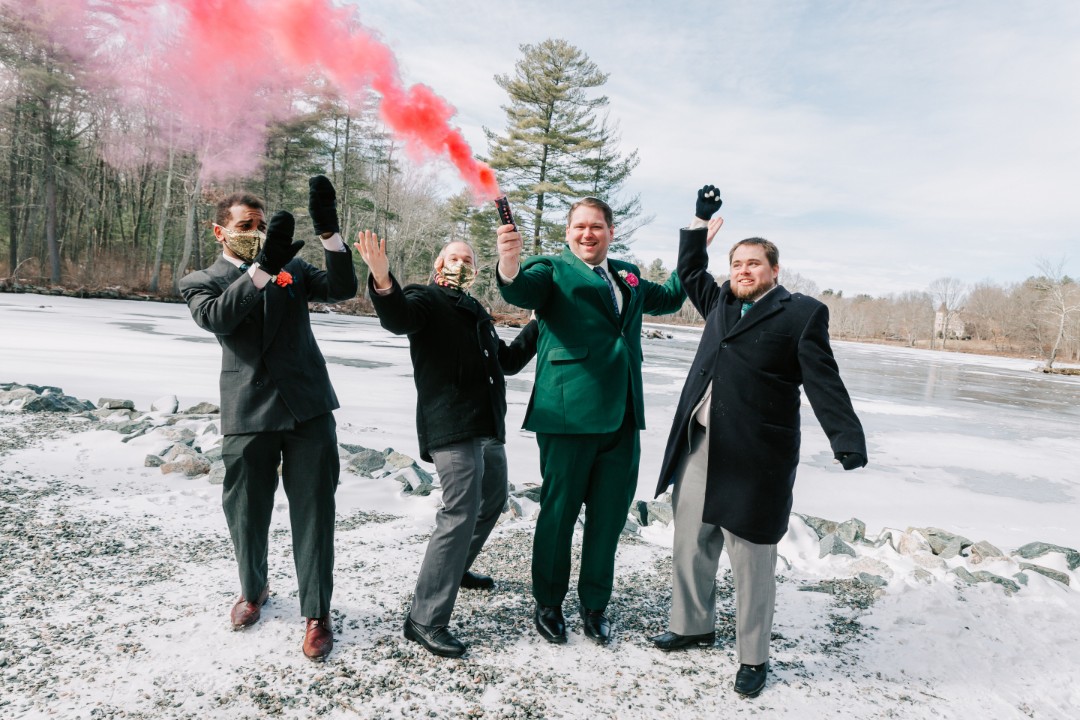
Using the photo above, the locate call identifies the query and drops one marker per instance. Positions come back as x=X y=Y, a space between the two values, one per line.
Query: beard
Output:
x=751 y=294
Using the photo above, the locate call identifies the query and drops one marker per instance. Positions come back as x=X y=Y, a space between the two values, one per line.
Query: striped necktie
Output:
x=746 y=306
x=611 y=289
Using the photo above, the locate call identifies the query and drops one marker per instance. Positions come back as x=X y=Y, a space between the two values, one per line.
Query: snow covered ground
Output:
x=117 y=579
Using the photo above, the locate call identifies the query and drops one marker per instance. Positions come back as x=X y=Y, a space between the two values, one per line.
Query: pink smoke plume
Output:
x=214 y=73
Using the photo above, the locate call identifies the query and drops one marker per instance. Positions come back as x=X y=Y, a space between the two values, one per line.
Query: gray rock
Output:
x=1061 y=577
x=217 y=473
x=982 y=550
x=213 y=454
x=1038 y=549
x=397 y=460
x=639 y=511
x=951 y=549
x=417 y=480
x=871 y=580
x=190 y=465
x=886 y=536
x=178 y=434
x=51 y=402
x=178 y=450
x=923 y=576
x=16 y=394
x=942 y=540
x=367 y=462
x=352 y=449
x=167 y=404
x=1021 y=577
x=211 y=429
x=631 y=527
x=134 y=428
x=831 y=544
x=819 y=525
x=964 y=574
x=514 y=508
x=532 y=492
x=984 y=576
x=912 y=542
x=871 y=566
x=153 y=461
x=851 y=531
x=115 y=404
x=203 y=408
x=660 y=512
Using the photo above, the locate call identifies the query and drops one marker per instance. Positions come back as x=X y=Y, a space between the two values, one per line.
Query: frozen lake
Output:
x=979 y=445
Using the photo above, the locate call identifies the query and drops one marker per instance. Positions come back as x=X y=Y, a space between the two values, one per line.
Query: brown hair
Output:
x=223 y=208
x=593 y=203
x=772 y=253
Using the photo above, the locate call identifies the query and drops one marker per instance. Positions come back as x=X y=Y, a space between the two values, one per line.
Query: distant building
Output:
x=957 y=329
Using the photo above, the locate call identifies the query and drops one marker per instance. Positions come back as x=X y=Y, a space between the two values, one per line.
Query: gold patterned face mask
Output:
x=457 y=274
x=245 y=244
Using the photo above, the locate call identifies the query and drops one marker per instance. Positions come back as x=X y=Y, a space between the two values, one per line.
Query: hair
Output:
x=223 y=209
x=442 y=253
x=593 y=203
x=772 y=253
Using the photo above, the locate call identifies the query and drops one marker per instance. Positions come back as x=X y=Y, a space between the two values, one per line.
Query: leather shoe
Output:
x=319 y=638
x=550 y=623
x=437 y=639
x=476 y=581
x=750 y=679
x=675 y=641
x=245 y=614
x=596 y=625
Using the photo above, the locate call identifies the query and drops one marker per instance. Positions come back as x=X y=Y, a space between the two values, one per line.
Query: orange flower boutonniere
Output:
x=284 y=279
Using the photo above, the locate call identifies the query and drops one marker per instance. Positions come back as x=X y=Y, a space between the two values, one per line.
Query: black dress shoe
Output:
x=675 y=641
x=476 y=581
x=750 y=679
x=596 y=625
x=550 y=623
x=436 y=638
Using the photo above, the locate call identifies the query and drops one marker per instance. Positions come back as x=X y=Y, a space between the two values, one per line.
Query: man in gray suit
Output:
x=276 y=398
x=734 y=444
x=459 y=367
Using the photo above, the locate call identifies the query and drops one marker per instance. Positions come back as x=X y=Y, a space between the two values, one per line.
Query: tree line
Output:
x=76 y=214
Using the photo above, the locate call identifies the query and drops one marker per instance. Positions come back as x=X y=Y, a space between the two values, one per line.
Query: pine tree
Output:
x=556 y=148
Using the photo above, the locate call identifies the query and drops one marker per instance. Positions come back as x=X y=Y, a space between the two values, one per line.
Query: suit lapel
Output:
x=586 y=273
x=761 y=310
x=274 y=306
x=629 y=294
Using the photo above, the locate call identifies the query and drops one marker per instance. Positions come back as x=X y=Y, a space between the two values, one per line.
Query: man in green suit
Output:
x=586 y=407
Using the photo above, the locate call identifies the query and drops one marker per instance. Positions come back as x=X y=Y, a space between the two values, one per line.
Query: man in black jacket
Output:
x=276 y=397
x=458 y=367
x=734 y=444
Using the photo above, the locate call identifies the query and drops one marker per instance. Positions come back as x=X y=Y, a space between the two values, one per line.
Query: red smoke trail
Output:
x=214 y=73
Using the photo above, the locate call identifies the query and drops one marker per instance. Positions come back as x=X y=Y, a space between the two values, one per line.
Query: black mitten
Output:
x=279 y=248
x=708 y=202
x=851 y=460
x=322 y=205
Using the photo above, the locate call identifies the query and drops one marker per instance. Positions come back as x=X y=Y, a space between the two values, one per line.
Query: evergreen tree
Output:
x=556 y=149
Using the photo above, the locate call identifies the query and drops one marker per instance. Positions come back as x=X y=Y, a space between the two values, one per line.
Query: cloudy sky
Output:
x=880 y=145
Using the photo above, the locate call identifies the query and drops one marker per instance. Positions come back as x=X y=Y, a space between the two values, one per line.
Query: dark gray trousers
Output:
x=309 y=473
x=472 y=474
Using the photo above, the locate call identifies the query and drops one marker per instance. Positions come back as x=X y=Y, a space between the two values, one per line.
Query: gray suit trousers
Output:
x=473 y=477
x=696 y=556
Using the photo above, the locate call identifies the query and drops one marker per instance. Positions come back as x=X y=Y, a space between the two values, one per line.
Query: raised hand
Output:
x=373 y=252
x=708 y=202
x=509 y=245
x=322 y=205
x=279 y=248
x=851 y=460
x=714 y=227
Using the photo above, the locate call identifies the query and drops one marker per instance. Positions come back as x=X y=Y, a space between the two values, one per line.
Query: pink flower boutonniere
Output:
x=629 y=277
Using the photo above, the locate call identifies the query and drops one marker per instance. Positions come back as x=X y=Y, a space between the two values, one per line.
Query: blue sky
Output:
x=880 y=145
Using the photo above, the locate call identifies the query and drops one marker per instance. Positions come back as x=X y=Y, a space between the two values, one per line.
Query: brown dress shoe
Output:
x=319 y=638
x=245 y=614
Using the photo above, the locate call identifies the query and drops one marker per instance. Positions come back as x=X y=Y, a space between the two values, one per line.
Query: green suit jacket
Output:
x=588 y=361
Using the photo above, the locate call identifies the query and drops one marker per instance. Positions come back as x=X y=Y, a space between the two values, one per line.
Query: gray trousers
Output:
x=473 y=478
x=695 y=559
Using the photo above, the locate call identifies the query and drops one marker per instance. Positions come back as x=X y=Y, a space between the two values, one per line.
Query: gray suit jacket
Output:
x=272 y=373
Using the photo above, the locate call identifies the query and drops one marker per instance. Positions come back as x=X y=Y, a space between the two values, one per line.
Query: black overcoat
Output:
x=756 y=365
x=459 y=361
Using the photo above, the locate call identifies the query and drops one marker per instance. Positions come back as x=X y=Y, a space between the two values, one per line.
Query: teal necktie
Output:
x=611 y=288
x=746 y=306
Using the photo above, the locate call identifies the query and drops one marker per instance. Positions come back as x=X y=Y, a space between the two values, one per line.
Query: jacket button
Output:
x=491 y=381
x=723 y=345
x=258 y=383
x=486 y=354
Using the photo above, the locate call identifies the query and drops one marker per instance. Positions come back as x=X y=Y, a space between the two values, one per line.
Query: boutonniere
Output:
x=284 y=279
x=629 y=277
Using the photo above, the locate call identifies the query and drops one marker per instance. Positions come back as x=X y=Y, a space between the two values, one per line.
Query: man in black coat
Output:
x=734 y=443
x=459 y=364
x=276 y=397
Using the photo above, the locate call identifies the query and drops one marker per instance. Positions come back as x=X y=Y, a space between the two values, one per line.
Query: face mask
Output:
x=244 y=244
x=456 y=275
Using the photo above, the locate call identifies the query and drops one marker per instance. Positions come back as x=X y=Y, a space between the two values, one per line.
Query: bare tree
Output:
x=1061 y=302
